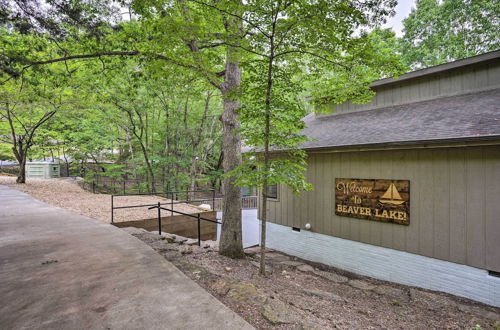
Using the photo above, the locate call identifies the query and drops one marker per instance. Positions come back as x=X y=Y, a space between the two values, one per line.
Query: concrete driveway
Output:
x=60 y=270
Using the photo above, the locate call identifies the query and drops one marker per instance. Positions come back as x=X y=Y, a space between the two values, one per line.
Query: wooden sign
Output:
x=379 y=200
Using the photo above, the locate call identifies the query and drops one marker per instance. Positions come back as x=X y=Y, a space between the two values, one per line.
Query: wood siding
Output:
x=467 y=80
x=455 y=202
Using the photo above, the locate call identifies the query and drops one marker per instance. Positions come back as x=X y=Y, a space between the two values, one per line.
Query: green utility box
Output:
x=42 y=170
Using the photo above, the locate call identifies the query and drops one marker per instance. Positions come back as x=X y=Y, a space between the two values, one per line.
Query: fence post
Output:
x=159 y=219
x=199 y=231
x=124 y=187
x=93 y=187
x=112 y=208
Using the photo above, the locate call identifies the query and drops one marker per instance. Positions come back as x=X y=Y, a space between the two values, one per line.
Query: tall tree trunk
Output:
x=267 y=131
x=192 y=174
x=231 y=242
x=217 y=168
x=149 y=168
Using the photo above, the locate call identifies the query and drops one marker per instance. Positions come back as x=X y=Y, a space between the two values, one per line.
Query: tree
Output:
x=213 y=40
x=293 y=43
x=437 y=32
x=177 y=33
x=23 y=112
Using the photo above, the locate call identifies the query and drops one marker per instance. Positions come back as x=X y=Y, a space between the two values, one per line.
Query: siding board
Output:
x=458 y=203
x=426 y=196
x=327 y=197
x=344 y=173
x=492 y=218
x=355 y=224
x=319 y=199
x=475 y=208
x=337 y=173
x=411 y=167
x=441 y=197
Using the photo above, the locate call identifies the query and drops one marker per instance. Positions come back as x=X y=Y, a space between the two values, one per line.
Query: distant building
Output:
x=406 y=187
x=42 y=170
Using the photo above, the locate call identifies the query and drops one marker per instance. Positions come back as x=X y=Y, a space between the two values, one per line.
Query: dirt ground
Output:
x=67 y=194
x=297 y=294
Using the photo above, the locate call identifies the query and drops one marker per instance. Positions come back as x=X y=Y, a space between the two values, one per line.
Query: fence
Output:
x=127 y=187
x=175 y=197
x=110 y=186
x=133 y=186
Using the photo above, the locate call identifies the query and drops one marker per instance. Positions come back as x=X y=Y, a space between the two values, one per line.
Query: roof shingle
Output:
x=473 y=116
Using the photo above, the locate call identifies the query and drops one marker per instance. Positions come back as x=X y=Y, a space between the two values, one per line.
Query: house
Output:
x=407 y=186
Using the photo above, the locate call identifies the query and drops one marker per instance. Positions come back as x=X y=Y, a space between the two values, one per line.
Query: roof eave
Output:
x=493 y=139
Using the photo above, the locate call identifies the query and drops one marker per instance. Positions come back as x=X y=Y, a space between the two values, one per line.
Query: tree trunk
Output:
x=21 y=177
x=150 y=173
x=231 y=243
x=192 y=174
x=66 y=162
x=267 y=131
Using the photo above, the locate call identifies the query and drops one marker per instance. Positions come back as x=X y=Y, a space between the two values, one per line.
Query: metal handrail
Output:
x=198 y=217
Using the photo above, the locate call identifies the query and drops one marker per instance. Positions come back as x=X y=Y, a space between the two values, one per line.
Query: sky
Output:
x=402 y=10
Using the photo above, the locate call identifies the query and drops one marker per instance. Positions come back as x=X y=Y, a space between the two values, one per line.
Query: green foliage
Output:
x=155 y=109
x=6 y=152
x=309 y=49
x=437 y=32
x=27 y=105
x=369 y=57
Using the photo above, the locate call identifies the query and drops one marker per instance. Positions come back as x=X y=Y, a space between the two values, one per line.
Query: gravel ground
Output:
x=67 y=194
x=297 y=294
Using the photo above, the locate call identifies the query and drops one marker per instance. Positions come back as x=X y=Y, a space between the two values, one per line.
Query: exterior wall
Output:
x=54 y=170
x=454 y=202
x=481 y=77
x=42 y=170
x=387 y=264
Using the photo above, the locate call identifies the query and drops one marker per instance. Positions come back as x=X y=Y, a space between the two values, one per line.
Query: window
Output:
x=272 y=191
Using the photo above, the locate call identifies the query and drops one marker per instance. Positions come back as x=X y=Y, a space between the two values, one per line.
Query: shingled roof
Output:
x=466 y=117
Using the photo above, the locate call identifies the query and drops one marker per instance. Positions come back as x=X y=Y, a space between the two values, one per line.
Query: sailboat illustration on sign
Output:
x=392 y=196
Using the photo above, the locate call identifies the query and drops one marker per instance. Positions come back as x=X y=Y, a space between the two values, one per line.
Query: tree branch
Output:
x=117 y=53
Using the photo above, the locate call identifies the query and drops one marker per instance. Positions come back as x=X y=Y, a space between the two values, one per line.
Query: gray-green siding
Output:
x=454 y=201
x=483 y=76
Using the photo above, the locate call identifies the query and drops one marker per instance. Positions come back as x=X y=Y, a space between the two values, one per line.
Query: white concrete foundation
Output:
x=387 y=264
